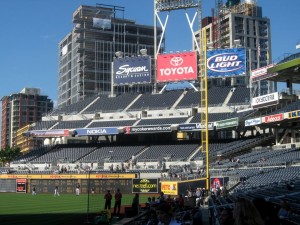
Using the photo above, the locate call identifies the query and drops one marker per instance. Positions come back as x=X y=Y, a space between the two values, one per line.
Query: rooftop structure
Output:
x=86 y=53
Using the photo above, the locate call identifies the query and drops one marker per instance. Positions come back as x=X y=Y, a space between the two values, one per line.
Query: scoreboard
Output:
x=21 y=185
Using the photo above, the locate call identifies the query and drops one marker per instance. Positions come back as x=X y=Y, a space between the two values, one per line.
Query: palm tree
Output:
x=8 y=154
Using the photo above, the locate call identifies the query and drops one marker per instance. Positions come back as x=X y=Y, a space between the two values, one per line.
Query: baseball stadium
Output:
x=198 y=150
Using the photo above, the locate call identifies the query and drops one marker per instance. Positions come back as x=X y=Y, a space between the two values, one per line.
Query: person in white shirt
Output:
x=56 y=192
x=33 y=190
x=77 y=190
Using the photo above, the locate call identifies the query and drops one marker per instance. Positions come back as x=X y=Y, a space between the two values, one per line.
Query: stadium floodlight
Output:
x=237 y=43
x=119 y=54
x=143 y=52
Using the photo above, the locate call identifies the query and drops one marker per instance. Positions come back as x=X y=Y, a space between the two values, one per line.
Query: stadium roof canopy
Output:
x=286 y=70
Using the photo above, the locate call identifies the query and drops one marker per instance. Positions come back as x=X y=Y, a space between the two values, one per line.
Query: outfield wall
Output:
x=45 y=183
x=128 y=182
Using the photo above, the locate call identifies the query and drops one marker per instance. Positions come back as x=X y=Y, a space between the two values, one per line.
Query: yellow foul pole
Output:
x=204 y=102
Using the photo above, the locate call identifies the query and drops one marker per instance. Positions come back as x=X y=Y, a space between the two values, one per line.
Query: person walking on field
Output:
x=107 y=198
x=56 y=192
x=33 y=190
x=77 y=189
x=118 y=199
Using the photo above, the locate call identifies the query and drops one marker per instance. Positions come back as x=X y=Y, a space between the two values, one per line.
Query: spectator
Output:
x=245 y=213
x=161 y=198
x=153 y=200
x=266 y=211
x=290 y=186
x=107 y=198
x=197 y=216
x=226 y=217
x=164 y=215
x=152 y=218
x=148 y=203
x=118 y=199
x=284 y=211
x=198 y=196
x=169 y=200
x=179 y=202
x=135 y=204
x=225 y=192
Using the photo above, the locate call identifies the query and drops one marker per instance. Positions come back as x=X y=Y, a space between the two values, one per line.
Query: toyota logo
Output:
x=176 y=61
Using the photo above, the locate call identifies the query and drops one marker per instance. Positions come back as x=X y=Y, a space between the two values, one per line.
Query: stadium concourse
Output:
x=253 y=145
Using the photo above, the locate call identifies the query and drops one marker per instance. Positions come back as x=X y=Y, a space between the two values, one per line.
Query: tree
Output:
x=8 y=154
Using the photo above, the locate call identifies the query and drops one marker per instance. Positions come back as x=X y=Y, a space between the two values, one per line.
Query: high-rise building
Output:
x=20 y=109
x=241 y=24
x=86 y=53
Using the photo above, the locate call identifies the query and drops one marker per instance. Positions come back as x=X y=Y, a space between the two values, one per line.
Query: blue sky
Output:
x=32 y=29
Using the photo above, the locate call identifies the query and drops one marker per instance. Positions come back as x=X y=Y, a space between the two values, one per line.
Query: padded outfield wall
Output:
x=128 y=182
x=45 y=183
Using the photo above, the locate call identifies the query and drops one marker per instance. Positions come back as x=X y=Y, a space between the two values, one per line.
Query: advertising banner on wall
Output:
x=70 y=176
x=294 y=114
x=48 y=133
x=97 y=131
x=194 y=127
x=226 y=62
x=169 y=188
x=21 y=185
x=176 y=67
x=132 y=70
x=148 y=129
x=233 y=122
x=265 y=100
x=273 y=118
x=216 y=182
x=261 y=73
x=144 y=186
x=252 y=122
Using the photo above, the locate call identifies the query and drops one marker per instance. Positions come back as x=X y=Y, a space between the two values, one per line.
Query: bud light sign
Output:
x=226 y=62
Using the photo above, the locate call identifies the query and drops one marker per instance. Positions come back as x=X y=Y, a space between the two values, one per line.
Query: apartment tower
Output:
x=240 y=23
x=20 y=109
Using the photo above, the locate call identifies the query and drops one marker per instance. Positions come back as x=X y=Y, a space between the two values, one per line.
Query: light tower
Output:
x=167 y=6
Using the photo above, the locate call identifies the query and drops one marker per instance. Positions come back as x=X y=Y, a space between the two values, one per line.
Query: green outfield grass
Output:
x=26 y=209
